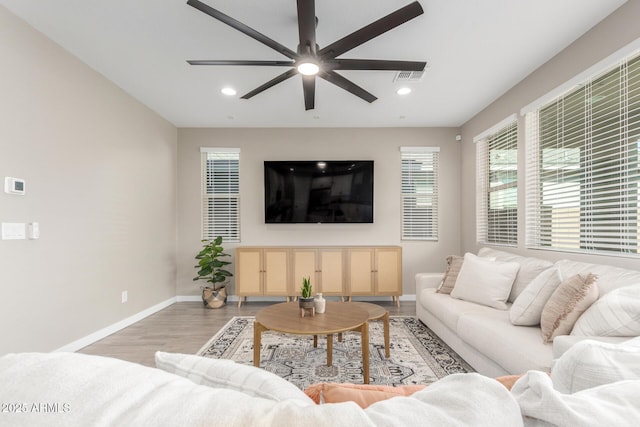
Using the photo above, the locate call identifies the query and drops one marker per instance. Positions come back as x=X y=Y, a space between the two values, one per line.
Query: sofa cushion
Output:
x=224 y=373
x=527 y=308
x=448 y=310
x=567 y=303
x=530 y=268
x=484 y=281
x=614 y=314
x=592 y=363
x=454 y=263
x=515 y=348
x=609 y=278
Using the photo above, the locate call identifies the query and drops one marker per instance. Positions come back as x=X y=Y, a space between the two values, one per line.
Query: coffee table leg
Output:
x=364 y=337
x=257 y=334
x=315 y=341
x=329 y=349
x=385 y=319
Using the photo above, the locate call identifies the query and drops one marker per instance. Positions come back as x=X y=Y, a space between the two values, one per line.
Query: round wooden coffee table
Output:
x=337 y=318
x=377 y=313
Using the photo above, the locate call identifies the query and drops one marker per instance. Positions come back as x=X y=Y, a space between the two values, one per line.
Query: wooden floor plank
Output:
x=185 y=327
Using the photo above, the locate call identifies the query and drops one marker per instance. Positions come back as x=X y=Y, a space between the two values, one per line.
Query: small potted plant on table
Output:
x=306 y=298
x=210 y=269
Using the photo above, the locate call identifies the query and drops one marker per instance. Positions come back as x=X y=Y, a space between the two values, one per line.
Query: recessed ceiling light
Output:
x=229 y=91
x=403 y=91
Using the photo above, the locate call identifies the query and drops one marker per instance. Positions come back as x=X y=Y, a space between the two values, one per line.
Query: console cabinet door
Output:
x=331 y=274
x=248 y=271
x=305 y=264
x=388 y=271
x=360 y=271
x=276 y=272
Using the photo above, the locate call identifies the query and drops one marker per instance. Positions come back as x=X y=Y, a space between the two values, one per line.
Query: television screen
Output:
x=318 y=191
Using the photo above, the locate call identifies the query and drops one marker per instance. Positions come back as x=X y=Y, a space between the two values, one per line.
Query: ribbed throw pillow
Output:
x=454 y=264
x=616 y=314
x=527 y=308
x=566 y=304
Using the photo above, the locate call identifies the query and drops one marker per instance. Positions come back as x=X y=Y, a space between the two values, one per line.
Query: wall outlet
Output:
x=125 y=296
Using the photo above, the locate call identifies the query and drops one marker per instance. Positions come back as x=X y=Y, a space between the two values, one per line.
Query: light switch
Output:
x=34 y=230
x=14 y=231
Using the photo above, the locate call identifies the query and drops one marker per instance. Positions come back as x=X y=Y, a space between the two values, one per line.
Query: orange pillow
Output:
x=509 y=380
x=362 y=394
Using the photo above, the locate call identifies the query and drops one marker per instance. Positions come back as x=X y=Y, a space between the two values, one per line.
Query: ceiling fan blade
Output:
x=348 y=85
x=307 y=26
x=372 y=30
x=309 y=90
x=241 y=62
x=375 y=64
x=279 y=79
x=216 y=14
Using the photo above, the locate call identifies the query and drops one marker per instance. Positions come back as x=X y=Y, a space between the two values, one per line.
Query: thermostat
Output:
x=14 y=186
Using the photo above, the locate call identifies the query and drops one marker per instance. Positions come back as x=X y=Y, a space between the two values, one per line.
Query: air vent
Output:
x=408 y=76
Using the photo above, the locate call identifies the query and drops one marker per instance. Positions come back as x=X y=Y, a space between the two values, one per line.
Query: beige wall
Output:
x=100 y=172
x=610 y=35
x=379 y=145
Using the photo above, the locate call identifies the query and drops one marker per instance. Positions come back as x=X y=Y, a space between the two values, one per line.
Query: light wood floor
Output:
x=185 y=327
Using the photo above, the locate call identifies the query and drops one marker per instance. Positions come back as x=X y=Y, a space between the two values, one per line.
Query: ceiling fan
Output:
x=310 y=60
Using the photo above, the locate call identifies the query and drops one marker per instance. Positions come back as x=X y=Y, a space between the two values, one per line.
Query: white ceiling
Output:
x=476 y=50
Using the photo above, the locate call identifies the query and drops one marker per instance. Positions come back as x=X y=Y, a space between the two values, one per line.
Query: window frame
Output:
x=504 y=136
x=574 y=214
x=230 y=211
x=415 y=223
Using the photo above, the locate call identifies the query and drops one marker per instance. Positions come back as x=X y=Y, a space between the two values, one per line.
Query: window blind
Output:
x=497 y=185
x=419 y=193
x=583 y=166
x=221 y=194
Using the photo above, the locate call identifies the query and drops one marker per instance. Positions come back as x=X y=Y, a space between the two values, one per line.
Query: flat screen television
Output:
x=324 y=191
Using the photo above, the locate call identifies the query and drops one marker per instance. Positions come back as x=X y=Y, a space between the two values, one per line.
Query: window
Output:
x=419 y=193
x=221 y=193
x=497 y=184
x=583 y=166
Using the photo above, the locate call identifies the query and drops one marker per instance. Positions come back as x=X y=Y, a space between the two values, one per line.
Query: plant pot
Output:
x=306 y=302
x=214 y=298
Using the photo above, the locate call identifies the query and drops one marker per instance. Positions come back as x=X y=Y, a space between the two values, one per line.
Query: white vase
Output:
x=319 y=303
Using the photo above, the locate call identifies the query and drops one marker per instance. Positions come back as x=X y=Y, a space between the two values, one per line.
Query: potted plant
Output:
x=210 y=268
x=306 y=298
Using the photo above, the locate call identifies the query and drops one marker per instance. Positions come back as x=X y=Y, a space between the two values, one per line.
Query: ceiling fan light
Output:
x=404 y=91
x=229 y=91
x=308 y=68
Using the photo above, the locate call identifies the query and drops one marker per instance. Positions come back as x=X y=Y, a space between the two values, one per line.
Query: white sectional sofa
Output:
x=485 y=336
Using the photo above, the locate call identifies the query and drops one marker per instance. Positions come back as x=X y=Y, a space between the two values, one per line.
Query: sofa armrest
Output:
x=427 y=280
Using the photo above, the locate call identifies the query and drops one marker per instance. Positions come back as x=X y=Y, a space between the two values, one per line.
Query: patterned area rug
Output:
x=418 y=356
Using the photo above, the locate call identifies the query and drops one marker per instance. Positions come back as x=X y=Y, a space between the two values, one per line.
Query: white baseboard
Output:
x=105 y=332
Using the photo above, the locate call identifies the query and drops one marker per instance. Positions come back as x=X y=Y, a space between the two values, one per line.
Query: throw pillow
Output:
x=592 y=363
x=527 y=308
x=224 y=373
x=484 y=281
x=530 y=268
x=362 y=394
x=567 y=303
x=454 y=263
x=615 y=314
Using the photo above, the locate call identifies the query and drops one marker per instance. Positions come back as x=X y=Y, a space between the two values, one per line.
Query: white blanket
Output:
x=616 y=404
x=61 y=389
